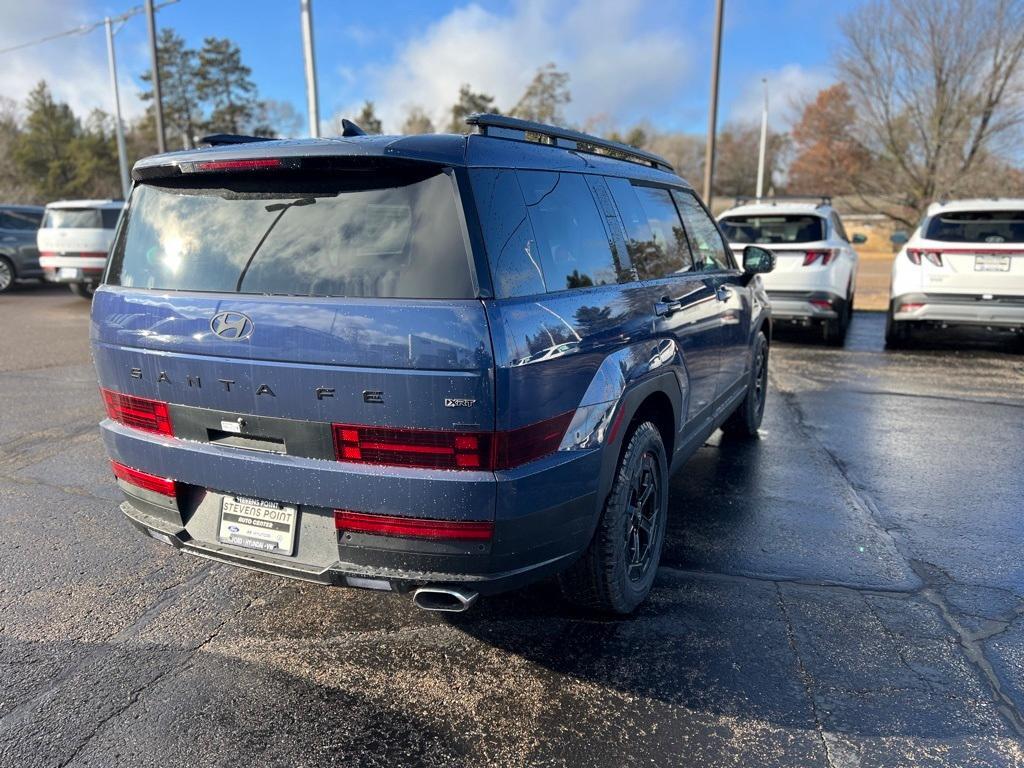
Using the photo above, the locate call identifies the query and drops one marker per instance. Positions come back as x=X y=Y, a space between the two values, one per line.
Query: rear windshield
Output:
x=80 y=218
x=384 y=236
x=774 y=229
x=978 y=227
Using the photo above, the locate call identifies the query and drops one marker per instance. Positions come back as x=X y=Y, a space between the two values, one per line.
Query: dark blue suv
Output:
x=445 y=365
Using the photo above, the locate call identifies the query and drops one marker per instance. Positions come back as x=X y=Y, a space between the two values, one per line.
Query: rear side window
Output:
x=387 y=236
x=110 y=217
x=20 y=220
x=511 y=245
x=573 y=245
x=977 y=227
x=799 y=228
x=656 y=241
x=73 y=218
x=709 y=252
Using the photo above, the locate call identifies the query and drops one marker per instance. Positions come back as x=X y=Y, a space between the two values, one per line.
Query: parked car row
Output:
x=65 y=242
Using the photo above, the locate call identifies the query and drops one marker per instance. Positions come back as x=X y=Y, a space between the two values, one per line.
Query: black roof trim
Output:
x=225 y=139
x=500 y=126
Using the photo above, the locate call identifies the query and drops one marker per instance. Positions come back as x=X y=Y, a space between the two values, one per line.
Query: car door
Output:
x=733 y=299
x=682 y=302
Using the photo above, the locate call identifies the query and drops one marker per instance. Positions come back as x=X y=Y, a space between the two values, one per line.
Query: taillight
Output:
x=239 y=165
x=162 y=485
x=916 y=254
x=448 y=449
x=821 y=303
x=912 y=306
x=138 y=412
x=412 y=527
x=825 y=256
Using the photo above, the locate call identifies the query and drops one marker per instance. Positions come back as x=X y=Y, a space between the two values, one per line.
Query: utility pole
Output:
x=312 y=105
x=122 y=157
x=764 y=141
x=161 y=138
x=709 y=147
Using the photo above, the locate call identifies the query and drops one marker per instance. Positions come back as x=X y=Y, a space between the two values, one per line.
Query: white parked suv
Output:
x=964 y=265
x=74 y=239
x=816 y=267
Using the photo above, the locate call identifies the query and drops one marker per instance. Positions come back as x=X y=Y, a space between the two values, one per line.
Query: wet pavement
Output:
x=845 y=591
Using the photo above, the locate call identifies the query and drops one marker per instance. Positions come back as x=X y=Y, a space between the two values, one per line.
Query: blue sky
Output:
x=628 y=59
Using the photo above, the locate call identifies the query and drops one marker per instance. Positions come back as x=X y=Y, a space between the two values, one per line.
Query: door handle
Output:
x=667 y=306
x=723 y=292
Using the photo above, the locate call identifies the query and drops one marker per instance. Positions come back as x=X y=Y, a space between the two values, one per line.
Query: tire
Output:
x=7 y=274
x=834 y=331
x=83 y=290
x=746 y=419
x=616 y=571
x=897 y=335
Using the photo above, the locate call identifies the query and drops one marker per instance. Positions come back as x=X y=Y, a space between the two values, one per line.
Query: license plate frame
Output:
x=67 y=273
x=991 y=262
x=258 y=524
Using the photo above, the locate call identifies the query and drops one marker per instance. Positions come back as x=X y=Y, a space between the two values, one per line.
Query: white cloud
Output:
x=789 y=89
x=75 y=67
x=618 y=67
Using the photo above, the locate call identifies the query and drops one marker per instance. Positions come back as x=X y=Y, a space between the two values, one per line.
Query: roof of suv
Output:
x=978 y=204
x=501 y=143
x=768 y=208
x=86 y=204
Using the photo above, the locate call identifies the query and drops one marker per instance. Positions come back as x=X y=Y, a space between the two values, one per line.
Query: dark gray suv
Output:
x=19 y=257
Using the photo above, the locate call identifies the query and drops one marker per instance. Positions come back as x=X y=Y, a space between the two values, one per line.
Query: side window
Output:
x=511 y=245
x=838 y=224
x=23 y=220
x=655 y=238
x=110 y=216
x=708 y=248
x=573 y=245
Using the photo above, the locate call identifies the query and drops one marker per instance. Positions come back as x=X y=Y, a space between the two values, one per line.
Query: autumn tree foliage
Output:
x=827 y=157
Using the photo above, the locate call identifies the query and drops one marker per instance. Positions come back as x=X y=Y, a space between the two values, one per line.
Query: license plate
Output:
x=67 y=273
x=257 y=524
x=990 y=262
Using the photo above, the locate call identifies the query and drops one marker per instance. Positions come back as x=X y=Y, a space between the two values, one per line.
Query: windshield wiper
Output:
x=282 y=207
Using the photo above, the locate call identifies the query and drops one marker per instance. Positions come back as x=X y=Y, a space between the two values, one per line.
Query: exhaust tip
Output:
x=446 y=599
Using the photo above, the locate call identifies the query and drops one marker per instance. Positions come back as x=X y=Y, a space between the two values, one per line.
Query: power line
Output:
x=85 y=29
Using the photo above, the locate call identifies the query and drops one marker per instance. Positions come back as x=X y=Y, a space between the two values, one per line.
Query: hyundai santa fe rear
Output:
x=431 y=365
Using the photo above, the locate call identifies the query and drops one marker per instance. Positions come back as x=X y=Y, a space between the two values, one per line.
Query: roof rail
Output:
x=820 y=200
x=224 y=139
x=502 y=127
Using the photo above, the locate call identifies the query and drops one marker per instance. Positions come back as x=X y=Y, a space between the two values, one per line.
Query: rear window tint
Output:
x=774 y=229
x=573 y=244
x=385 y=236
x=74 y=218
x=977 y=227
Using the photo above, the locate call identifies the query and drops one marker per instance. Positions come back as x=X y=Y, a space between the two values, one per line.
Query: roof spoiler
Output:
x=502 y=127
x=819 y=200
x=227 y=139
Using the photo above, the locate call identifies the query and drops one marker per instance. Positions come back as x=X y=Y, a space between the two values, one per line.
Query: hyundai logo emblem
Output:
x=233 y=326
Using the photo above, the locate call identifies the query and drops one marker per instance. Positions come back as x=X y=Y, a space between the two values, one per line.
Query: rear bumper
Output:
x=543 y=513
x=960 y=309
x=798 y=306
x=72 y=269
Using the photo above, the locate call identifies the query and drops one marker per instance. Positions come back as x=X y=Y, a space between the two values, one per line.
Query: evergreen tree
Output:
x=468 y=103
x=43 y=150
x=179 y=89
x=223 y=83
x=417 y=121
x=545 y=96
x=368 y=120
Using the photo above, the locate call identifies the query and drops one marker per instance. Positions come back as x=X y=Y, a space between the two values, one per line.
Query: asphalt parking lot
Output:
x=846 y=591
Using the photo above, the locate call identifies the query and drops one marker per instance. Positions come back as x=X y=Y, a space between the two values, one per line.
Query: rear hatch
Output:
x=287 y=301
x=797 y=239
x=973 y=252
x=86 y=231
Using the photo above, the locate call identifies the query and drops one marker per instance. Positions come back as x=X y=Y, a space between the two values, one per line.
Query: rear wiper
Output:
x=282 y=207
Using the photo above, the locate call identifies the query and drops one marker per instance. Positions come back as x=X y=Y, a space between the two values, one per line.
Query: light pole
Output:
x=764 y=141
x=158 y=111
x=312 y=105
x=122 y=156
x=709 y=147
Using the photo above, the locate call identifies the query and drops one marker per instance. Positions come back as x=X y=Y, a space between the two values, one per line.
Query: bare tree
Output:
x=938 y=89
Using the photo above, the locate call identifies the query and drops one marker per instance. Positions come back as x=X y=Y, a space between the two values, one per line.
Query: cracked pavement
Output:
x=845 y=591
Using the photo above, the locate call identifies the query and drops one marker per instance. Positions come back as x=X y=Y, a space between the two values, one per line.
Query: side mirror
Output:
x=898 y=238
x=859 y=239
x=757 y=260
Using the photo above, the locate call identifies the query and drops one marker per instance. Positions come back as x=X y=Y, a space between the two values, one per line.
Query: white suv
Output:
x=74 y=240
x=816 y=267
x=964 y=265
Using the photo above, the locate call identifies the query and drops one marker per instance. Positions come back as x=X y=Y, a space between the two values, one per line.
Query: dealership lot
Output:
x=846 y=591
